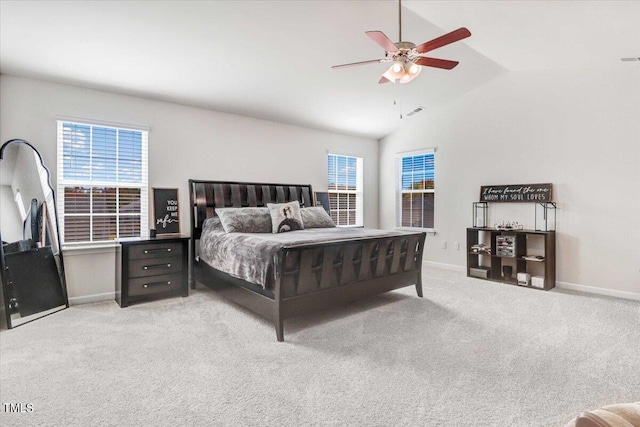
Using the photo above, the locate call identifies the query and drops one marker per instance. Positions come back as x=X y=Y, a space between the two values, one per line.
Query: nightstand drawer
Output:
x=155 y=284
x=155 y=250
x=154 y=266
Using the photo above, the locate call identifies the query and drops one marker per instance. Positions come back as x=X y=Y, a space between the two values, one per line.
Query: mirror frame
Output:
x=60 y=260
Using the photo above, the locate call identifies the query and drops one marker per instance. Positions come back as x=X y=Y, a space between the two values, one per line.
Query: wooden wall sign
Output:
x=166 y=211
x=514 y=193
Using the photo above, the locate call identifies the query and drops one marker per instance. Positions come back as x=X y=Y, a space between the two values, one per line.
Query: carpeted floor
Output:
x=471 y=353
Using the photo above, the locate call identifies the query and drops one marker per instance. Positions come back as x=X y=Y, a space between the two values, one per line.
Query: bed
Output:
x=303 y=272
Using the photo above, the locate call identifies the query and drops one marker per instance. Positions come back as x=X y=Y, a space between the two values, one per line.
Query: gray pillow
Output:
x=245 y=220
x=285 y=216
x=316 y=217
x=214 y=223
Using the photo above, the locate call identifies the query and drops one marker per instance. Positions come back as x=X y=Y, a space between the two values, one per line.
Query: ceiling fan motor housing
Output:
x=405 y=46
x=405 y=53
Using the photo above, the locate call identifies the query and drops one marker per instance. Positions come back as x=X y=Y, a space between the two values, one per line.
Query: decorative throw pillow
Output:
x=285 y=216
x=214 y=223
x=316 y=217
x=245 y=220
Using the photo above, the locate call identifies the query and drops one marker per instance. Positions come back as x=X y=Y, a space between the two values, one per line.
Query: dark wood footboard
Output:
x=321 y=275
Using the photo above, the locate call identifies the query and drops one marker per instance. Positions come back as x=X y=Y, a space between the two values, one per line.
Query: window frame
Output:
x=400 y=191
x=143 y=185
x=358 y=192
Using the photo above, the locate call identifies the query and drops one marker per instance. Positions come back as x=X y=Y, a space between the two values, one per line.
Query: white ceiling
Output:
x=271 y=59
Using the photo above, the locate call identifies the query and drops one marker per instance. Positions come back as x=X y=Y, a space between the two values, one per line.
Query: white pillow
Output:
x=285 y=216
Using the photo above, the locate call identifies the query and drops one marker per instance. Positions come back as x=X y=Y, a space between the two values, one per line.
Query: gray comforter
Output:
x=250 y=256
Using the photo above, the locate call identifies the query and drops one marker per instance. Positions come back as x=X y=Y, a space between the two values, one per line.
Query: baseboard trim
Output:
x=599 y=291
x=560 y=285
x=92 y=298
x=445 y=266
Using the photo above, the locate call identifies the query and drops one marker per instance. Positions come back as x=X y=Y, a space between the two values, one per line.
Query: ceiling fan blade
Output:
x=384 y=41
x=383 y=79
x=453 y=36
x=353 y=64
x=437 y=63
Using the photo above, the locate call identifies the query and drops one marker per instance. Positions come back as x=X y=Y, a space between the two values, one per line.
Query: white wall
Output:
x=576 y=129
x=11 y=225
x=26 y=178
x=184 y=142
x=20 y=175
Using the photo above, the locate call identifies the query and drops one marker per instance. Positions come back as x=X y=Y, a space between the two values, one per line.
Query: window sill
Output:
x=429 y=231
x=72 y=249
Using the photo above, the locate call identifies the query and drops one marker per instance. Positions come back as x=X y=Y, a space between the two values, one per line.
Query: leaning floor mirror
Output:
x=33 y=282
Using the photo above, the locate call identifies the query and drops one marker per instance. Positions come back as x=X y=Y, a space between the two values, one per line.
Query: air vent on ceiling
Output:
x=417 y=110
x=630 y=59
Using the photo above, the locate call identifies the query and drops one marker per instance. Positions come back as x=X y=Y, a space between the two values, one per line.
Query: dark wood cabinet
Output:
x=151 y=268
x=499 y=255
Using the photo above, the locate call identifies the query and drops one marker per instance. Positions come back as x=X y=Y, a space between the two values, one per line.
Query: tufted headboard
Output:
x=205 y=196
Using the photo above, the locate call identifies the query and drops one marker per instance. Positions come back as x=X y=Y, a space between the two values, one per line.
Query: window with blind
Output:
x=102 y=182
x=345 y=183
x=416 y=189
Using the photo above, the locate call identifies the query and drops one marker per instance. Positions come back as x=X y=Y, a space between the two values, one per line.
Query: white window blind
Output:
x=102 y=182
x=415 y=207
x=345 y=187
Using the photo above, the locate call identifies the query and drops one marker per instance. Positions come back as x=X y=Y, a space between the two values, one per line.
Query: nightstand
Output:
x=151 y=268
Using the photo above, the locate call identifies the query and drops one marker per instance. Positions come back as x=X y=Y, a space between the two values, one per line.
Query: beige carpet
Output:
x=470 y=353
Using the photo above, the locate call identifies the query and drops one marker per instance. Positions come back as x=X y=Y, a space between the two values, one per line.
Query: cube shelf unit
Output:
x=527 y=242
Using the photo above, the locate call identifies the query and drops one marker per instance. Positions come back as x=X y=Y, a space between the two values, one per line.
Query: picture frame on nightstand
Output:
x=322 y=199
x=166 y=211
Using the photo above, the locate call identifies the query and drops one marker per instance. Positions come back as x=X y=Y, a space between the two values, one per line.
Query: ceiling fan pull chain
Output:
x=400 y=103
x=395 y=94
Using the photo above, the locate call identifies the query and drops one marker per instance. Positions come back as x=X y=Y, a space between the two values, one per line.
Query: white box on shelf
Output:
x=481 y=272
x=537 y=282
x=524 y=279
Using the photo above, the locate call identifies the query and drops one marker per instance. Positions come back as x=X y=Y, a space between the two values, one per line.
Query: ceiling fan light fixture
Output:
x=411 y=71
x=395 y=72
x=387 y=75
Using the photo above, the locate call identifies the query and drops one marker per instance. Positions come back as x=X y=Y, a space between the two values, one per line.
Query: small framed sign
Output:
x=322 y=199
x=538 y=193
x=166 y=211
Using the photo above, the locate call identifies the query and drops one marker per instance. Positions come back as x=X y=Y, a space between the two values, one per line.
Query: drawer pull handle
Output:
x=156 y=284
x=147 y=267
x=152 y=251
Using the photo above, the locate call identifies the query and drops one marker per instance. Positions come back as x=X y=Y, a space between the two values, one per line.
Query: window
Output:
x=345 y=189
x=416 y=189
x=102 y=182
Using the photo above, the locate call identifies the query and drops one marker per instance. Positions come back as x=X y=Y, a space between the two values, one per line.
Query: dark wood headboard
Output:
x=205 y=196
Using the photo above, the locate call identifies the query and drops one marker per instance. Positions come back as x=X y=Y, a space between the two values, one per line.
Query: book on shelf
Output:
x=481 y=248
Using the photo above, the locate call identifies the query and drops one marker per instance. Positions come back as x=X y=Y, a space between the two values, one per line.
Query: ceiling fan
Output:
x=406 y=56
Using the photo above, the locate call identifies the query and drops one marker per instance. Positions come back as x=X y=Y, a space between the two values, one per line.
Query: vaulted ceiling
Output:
x=271 y=59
